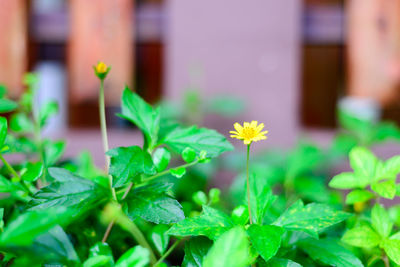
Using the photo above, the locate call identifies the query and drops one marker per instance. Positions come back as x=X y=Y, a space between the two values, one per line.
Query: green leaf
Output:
x=128 y=162
x=143 y=115
x=26 y=227
x=391 y=169
x=136 y=256
x=68 y=190
x=198 y=139
x=261 y=198
x=20 y=123
x=160 y=238
x=211 y=223
x=358 y=195
x=53 y=152
x=98 y=261
x=49 y=247
x=348 y=180
x=381 y=221
x=7 y=105
x=386 y=189
x=362 y=236
x=231 y=249
x=266 y=239
x=3 y=130
x=46 y=111
x=5 y=185
x=178 y=172
x=101 y=248
x=189 y=155
x=392 y=249
x=278 y=262
x=386 y=130
x=240 y=215
x=153 y=204
x=363 y=162
x=311 y=218
x=32 y=171
x=329 y=252
x=55 y=245
x=161 y=158
x=195 y=250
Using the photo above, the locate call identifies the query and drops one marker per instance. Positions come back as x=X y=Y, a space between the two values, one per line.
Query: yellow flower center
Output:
x=248 y=133
x=101 y=67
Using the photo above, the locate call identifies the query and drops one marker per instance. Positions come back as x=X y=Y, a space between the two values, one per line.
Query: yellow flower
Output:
x=101 y=70
x=249 y=132
x=101 y=67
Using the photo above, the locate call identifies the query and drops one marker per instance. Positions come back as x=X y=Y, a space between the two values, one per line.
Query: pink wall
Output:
x=246 y=48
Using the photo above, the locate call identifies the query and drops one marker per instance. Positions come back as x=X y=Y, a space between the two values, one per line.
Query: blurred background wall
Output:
x=291 y=61
x=251 y=51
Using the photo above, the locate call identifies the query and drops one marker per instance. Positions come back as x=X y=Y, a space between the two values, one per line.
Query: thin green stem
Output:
x=38 y=139
x=167 y=171
x=166 y=254
x=137 y=234
x=248 y=183
x=14 y=173
x=103 y=125
x=127 y=224
x=111 y=224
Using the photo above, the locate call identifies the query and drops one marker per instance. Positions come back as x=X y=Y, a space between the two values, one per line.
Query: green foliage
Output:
x=362 y=236
x=153 y=203
x=381 y=221
x=128 y=163
x=231 y=249
x=311 y=218
x=211 y=223
x=161 y=158
x=266 y=239
x=198 y=139
x=195 y=250
x=143 y=115
x=160 y=238
x=26 y=227
x=329 y=252
x=136 y=256
x=65 y=211
x=68 y=190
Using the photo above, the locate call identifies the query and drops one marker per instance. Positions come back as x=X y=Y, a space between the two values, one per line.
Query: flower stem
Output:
x=147 y=179
x=137 y=234
x=38 y=138
x=111 y=224
x=103 y=125
x=166 y=254
x=248 y=183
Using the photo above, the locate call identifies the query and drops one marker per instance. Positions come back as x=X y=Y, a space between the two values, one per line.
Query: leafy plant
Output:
x=146 y=207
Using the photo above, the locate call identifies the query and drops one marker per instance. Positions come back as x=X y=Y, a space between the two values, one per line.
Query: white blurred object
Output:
x=52 y=86
x=363 y=108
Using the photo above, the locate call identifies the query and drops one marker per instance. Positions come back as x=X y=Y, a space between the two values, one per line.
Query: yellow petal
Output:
x=253 y=124
x=246 y=124
x=260 y=127
x=233 y=132
x=238 y=127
